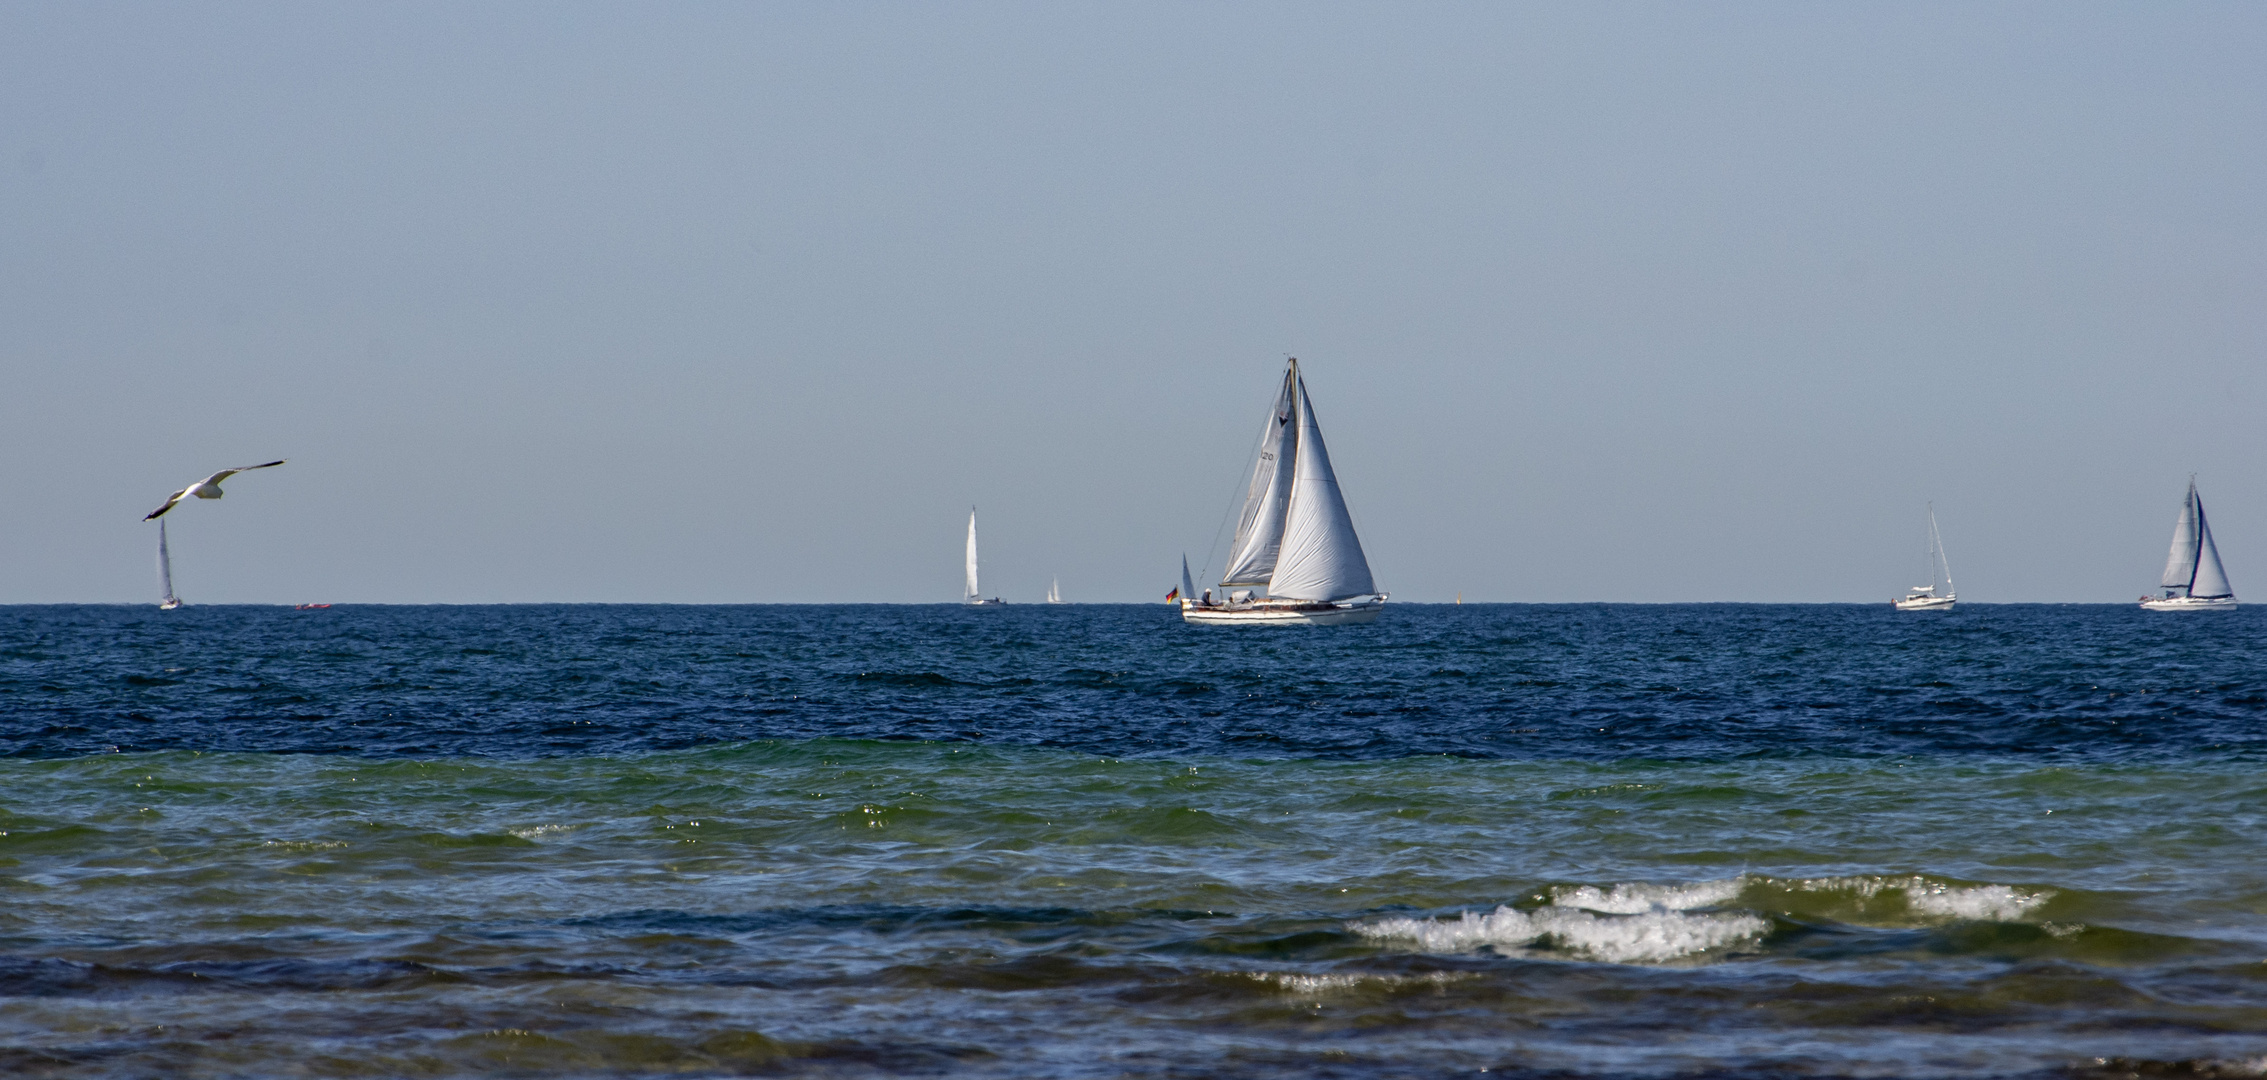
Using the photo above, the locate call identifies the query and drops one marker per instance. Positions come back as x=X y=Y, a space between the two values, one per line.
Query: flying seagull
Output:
x=207 y=488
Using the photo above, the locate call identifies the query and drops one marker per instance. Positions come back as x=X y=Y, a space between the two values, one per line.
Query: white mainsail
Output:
x=1320 y=558
x=1259 y=531
x=1055 y=591
x=2180 y=565
x=973 y=593
x=165 y=569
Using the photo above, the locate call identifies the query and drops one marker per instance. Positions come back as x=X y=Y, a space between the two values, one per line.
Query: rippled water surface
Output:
x=1090 y=841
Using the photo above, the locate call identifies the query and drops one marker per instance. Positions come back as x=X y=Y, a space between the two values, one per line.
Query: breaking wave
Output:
x=1627 y=924
x=1649 y=923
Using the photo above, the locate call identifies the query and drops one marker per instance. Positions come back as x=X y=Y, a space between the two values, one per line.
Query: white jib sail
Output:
x=2211 y=581
x=164 y=562
x=973 y=592
x=1259 y=531
x=1188 y=590
x=2180 y=565
x=1321 y=557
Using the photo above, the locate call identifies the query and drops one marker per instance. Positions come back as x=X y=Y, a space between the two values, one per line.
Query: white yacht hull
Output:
x=2188 y=603
x=1924 y=603
x=1281 y=613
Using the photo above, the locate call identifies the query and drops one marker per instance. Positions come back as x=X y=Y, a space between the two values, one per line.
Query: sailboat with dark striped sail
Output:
x=1295 y=559
x=2194 y=579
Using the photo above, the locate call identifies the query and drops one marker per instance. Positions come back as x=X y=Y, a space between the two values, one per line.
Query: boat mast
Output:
x=1936 y=540
x=1292 y=447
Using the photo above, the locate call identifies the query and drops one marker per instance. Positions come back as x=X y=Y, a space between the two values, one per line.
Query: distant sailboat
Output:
x=974 y=595
x=1055 y=591
x=165 y=571
x=1295 y=538
x=2194 y=579
x=1925 y=597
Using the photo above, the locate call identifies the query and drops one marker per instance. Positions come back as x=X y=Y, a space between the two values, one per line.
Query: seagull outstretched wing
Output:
x=169 y=501
x=207 y=488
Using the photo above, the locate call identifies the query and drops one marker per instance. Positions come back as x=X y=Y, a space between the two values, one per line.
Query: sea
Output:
x=1708 y=840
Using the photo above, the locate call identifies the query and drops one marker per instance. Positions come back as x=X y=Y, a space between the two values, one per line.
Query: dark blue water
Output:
x=1090 y=841
x=1496 y=681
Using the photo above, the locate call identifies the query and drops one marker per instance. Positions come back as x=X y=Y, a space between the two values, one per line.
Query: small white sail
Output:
x=1188 y=588
x=1055 y=591
x=1321 y=557
x=1259 y=531
x=973 y=592
x=2180 y=565
x=2211 y=580
x=165 y=569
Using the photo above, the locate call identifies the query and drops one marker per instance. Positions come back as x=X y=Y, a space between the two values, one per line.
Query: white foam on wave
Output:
x=1998 y=903
x=1647 y=923
x=1937 y=899
x=1640 y=897
x=532 y=832
x=1322 y=984
x=1627 y=924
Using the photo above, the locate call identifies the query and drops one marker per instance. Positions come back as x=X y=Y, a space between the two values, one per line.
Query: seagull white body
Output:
x=207 y=488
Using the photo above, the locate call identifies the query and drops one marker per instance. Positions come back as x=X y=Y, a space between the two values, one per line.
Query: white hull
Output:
x=2189 y=603
x=1924 y=603
x=1281 y=613
x=168 y=605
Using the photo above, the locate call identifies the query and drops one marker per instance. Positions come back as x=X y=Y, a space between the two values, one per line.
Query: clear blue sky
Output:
x=750 y=302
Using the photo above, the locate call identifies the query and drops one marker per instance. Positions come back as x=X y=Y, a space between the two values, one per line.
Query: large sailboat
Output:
x=974 y=595
x=165 y=572
x=1295 y=559
x=2194 y=579
x=1926 y=597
